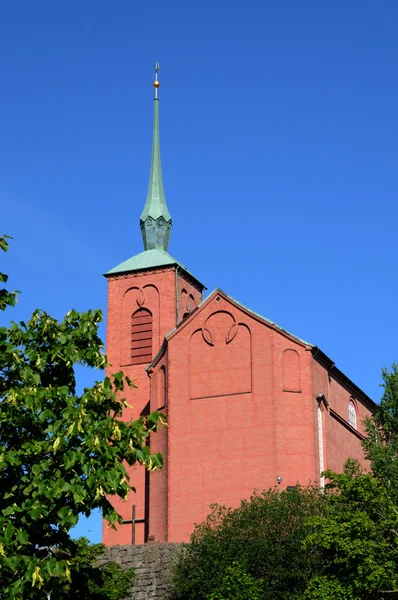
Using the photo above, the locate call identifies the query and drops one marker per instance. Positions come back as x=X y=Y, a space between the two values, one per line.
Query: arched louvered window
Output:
x=352 y=414
x=141 y=337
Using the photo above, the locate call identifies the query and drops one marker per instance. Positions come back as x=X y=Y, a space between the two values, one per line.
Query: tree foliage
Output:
x=236 y=584
x=357 y=539
x=7 y=298
x=62 y=453
x=381 y=445
x=359 y=536
x=253 y=549
x=89 y=581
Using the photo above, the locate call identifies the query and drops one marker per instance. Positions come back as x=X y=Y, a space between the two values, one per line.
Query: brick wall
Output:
x=240 y=414
x=152 y=564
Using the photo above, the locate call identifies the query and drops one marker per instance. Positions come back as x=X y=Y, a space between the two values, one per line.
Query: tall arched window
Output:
x=161 y=388
x=141 y=337
x=352 y=414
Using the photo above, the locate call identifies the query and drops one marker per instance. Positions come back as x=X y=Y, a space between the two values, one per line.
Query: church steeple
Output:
x=155 y=221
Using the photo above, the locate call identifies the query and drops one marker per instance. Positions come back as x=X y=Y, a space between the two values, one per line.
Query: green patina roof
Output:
x=155 y=205
x=148 y=259
x=155 y=221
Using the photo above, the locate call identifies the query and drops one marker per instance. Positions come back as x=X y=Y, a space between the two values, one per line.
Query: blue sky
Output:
x=279 y=145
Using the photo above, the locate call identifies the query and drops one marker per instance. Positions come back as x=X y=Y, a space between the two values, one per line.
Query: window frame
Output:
x=352 y=414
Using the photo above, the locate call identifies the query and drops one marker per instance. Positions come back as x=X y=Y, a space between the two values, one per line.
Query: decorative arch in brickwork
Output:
x=291 y=371
x=220 y=361
x=188 y=303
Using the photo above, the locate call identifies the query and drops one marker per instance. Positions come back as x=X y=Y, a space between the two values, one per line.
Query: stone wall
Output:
x=152 y=564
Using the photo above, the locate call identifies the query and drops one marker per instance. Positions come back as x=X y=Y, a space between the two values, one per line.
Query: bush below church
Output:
x=254 y=551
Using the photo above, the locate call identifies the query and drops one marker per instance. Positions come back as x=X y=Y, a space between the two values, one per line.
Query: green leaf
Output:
x=4 y=243
x=12 y=562
x=34 y=514
x=36 y=378
x=23 y=537
x=10 y=510
x=70 y=459
x=8 y=533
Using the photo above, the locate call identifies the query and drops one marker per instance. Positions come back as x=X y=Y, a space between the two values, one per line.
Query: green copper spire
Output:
x=155 y=221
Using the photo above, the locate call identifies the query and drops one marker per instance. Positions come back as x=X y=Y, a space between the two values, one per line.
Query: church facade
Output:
x=248 y=404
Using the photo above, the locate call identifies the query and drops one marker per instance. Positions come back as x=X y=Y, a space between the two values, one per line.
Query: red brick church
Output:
x=248 y=404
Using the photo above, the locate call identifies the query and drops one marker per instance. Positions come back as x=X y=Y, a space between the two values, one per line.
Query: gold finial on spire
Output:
x=156 y=83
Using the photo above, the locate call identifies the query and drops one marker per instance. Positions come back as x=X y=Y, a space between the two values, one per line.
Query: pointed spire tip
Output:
x=156 y=83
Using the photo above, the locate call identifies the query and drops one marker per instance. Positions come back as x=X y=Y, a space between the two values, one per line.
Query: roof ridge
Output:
x=256 y=314
x=241 y=306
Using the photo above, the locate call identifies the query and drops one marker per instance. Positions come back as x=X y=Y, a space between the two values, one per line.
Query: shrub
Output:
x=237 y=584
x=258 y=544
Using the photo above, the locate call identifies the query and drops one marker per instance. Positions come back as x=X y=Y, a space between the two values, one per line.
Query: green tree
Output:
x=357 y=539
x=359 y=536
x=61 y=453
x=253 y=549
x=381 y=445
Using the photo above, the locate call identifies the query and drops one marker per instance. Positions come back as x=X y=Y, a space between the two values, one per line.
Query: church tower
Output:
x=148 y=295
